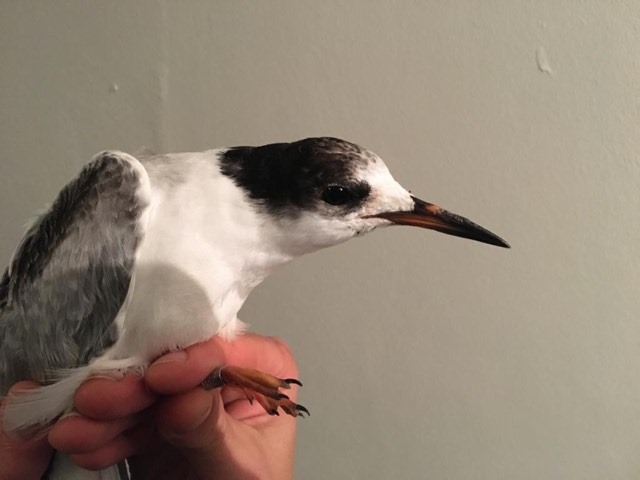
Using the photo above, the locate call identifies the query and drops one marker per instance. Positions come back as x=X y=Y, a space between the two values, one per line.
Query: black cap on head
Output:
x=286 y=178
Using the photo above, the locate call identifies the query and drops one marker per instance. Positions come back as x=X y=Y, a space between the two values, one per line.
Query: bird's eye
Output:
x=337 y=195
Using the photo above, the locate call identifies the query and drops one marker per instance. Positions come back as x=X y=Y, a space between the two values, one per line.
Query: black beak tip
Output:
x=463 y=227
x=501 y=243
x=482 y=235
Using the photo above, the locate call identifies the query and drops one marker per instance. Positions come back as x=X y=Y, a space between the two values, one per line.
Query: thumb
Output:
x=214 y=444
x=193 y=419
x=23 y=459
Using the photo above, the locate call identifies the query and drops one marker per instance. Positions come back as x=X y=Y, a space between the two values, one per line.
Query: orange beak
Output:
x=428 y=215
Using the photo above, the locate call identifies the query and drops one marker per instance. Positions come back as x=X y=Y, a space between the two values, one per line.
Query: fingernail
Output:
x=70 y=414
x=104 y=376
x=177 y=356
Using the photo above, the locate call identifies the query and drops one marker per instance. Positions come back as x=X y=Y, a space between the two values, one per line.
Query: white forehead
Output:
x=386 y=194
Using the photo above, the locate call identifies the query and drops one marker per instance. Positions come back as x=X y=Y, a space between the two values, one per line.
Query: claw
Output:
x=295 y=410
x=289 y=381
x=248 y=395
x=301 y=408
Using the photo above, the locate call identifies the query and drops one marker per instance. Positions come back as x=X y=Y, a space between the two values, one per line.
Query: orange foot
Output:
x=263 y=387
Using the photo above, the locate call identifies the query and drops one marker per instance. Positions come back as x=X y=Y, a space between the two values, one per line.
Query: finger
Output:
x=268 y=354
x=179 y=416
x=207 y=432
x=130 y=443
x=183 y=370
x=239 y=407
x=194 y=419
x=112 y=398
x=193 y=422
x=215 y=444
x=77 y=434
x=23 y=459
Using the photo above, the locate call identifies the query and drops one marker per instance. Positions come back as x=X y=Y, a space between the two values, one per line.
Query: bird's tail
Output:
x=28 y=411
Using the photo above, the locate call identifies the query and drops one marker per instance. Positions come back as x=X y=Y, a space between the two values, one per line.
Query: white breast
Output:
x=204 y=251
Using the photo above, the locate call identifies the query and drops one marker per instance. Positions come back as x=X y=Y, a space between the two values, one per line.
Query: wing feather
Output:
x=71 y=273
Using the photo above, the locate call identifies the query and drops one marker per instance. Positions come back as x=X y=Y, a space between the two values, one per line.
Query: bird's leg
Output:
x=264 y=386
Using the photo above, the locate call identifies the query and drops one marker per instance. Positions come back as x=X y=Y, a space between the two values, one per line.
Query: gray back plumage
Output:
x=71 y=273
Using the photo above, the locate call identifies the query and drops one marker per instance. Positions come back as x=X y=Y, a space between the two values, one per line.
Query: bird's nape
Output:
x=428 y=215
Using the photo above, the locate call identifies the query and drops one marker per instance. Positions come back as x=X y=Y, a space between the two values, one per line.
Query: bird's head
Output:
x=324 y=191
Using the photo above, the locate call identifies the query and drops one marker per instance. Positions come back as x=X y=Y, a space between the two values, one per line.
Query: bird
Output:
x=138 y=256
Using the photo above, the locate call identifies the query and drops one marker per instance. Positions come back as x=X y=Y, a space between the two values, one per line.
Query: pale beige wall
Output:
x=423 y=356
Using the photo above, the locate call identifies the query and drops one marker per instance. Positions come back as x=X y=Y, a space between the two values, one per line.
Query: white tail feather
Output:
x=40 y=406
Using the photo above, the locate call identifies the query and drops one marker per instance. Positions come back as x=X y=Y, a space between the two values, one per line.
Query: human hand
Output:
x=169 y=427
x=23 y=459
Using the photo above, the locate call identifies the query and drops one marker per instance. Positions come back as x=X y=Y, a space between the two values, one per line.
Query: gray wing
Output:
x=72 y=271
